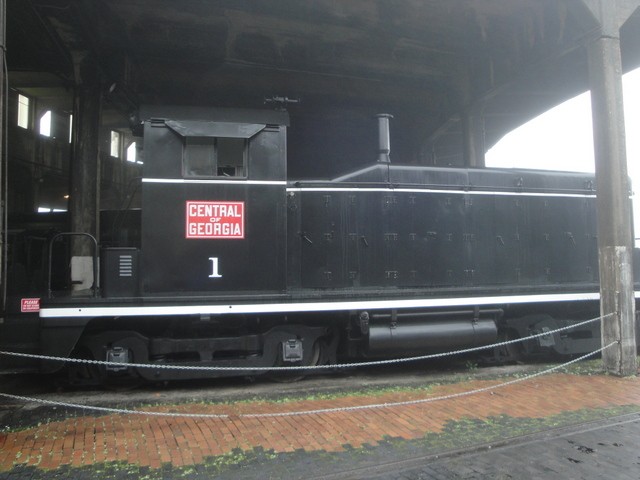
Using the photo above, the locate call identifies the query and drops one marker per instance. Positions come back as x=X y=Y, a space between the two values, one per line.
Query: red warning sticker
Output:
x=28 y=305
x=215 y=219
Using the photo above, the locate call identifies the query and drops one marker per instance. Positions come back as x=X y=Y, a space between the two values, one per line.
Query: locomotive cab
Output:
x=213 y=205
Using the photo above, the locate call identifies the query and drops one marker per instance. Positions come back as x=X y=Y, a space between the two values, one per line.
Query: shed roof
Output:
x=425 y=61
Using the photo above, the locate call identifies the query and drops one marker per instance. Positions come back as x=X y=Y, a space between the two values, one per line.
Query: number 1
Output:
x=214 y=268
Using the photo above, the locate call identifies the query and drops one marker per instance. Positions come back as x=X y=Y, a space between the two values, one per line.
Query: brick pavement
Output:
x=153 y=442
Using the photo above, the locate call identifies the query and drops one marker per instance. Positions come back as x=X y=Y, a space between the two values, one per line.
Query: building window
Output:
x=45 y=124
x=116 y=139
x=49 y=210
x=23 y=111
x=131 y=153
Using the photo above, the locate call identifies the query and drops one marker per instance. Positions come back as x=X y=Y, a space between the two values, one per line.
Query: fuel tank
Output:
x=419 y=336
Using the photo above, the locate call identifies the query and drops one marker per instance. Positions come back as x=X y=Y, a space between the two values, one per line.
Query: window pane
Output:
x=215 y=157
x=131 y=152
x=200 y=157
x=115 y=144
x=23 y=111
x=45 y=124
x=231 y=153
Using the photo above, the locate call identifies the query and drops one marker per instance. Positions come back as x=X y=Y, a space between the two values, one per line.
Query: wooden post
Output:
x=3 y=155
x=473 y=137
x=84 y=198
x=615 y=236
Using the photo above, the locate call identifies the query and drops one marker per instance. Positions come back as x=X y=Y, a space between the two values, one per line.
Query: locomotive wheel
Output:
x=79 y=374
x=82 y=374
x=123 y=383
x=511 y=353
x=91 y=348
x=130 y=378
x=316 y=356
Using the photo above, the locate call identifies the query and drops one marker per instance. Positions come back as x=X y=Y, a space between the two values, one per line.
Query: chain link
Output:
x=302 y=367
x=301 y=412
x=431 y=399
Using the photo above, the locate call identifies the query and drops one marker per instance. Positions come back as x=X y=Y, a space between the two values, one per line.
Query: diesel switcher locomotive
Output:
x=230 y=263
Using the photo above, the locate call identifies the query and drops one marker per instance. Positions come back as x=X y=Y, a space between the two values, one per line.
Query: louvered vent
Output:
x=126 y=266
x=119 y=272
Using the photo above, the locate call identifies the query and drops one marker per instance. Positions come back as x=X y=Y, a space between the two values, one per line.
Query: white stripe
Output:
x=211 y=181
x=309 y=307
x=444 y=190
x=363 y=189
x=183 y=181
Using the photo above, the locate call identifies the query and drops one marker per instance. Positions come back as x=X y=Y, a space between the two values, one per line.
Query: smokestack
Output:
x=384 y=142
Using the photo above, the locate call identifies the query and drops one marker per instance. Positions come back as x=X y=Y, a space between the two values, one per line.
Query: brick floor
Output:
x=152 y=441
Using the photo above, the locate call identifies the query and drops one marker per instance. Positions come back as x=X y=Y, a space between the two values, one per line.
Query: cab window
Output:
x=214 y=157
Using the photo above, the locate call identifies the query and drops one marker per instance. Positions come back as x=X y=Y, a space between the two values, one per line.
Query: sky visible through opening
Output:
x=562 y=139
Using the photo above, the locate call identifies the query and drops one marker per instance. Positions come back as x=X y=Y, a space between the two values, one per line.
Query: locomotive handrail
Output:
x=95 y=259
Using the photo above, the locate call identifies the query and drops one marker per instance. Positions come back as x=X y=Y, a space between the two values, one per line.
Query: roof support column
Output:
x=473 y=137
x=615 y=238
x=85 y=170
x=3 y=155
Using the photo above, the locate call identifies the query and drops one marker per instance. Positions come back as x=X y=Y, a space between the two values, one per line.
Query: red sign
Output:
x=28 y=305
x=215 y=219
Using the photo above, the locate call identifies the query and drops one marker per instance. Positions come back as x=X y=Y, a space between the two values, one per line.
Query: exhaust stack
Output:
x=384 y=141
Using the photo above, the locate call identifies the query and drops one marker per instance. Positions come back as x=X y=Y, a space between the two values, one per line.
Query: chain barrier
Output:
x=303 y=367
x=302 y=412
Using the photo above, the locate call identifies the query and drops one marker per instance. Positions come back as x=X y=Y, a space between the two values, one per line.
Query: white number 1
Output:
x=214 y=268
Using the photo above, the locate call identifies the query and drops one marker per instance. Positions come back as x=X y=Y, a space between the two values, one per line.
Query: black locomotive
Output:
x=231 y=263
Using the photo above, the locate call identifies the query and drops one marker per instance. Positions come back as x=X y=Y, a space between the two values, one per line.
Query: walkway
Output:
x=301 y=446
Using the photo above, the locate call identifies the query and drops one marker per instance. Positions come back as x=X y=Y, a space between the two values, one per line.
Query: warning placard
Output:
x=28 y=305
x=215 y=219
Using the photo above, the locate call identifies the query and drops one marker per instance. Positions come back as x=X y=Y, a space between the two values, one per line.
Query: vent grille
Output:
x=126 y=266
